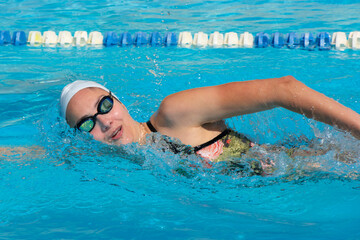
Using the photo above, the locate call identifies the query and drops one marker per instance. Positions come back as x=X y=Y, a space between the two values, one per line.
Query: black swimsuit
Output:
x=201 y=146
x=227 y=144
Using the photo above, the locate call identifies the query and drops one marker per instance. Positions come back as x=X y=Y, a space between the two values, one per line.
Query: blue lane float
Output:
x=125 y=39
x=307 y=41
x=323 y=41
x=292 y=40
x=111 y=39
x=140 y=39
x=5 y=38
x=262 y=40
x=170 y=39
x=155 y=39
x=277 y=40
x=19 y=38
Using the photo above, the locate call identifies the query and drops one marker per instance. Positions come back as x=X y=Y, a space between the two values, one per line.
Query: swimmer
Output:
x=196 y=116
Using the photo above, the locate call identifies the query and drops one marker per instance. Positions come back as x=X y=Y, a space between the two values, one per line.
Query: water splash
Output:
x=330 y=152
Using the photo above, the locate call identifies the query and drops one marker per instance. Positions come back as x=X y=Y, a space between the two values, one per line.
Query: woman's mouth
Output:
x=117 y=133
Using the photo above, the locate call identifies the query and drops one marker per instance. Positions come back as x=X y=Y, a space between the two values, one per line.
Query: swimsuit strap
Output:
x=150 y=126
x=218 y=137
x=199 y=147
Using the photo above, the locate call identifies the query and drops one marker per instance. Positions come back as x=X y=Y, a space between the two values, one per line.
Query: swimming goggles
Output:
x=105 y=105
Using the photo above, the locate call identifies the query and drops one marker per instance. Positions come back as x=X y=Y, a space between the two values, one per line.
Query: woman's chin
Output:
x=122 y=141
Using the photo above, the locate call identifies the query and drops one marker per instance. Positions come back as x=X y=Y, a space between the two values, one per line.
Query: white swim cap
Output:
x=71 y=89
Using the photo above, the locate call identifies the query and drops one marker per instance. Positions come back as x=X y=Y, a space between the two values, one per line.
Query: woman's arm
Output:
x=299 y=98
x=16 y=153
x=195 y=107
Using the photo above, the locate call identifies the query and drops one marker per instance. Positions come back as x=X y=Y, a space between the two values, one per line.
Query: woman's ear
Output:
x=124 y=106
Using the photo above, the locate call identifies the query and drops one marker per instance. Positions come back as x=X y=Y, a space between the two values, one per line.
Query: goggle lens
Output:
x=105 y=105
x=87 y=125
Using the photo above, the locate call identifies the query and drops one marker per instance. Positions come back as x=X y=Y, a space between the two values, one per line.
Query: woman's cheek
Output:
x=97 y=135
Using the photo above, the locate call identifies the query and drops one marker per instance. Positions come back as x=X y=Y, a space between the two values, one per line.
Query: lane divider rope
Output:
x=292 y=40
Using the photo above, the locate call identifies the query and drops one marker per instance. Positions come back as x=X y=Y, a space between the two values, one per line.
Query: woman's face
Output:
x=115 y=127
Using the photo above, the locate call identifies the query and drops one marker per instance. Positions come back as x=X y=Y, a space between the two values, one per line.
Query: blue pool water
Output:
x=61 y=185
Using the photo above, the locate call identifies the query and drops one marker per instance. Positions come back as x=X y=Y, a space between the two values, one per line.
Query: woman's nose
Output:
x=104 y=121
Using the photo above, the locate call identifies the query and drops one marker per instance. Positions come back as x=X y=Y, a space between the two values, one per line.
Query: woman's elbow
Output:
x=287 y=88
x=282 y=84
x=288 y=81
x=288 y=84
